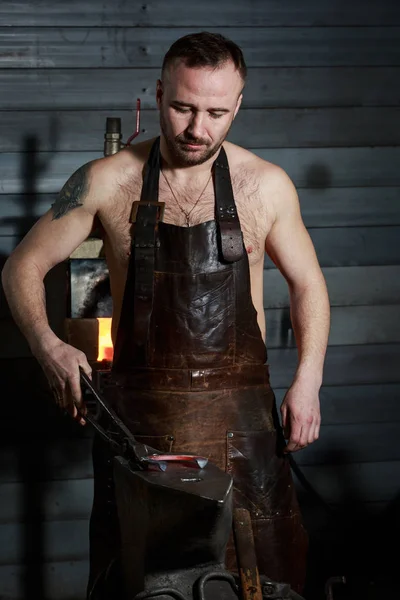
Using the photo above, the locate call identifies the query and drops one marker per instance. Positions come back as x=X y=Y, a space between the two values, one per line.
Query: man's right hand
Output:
x=60 y=363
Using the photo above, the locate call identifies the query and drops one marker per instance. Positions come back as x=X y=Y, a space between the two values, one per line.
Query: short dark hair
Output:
x=205 y=49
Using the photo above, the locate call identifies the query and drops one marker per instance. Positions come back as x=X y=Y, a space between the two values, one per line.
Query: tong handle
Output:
x=123 y=435
x=104 y=405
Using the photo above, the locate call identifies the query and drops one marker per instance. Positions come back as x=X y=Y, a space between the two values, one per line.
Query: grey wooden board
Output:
x=337 y=167
x=344 y=444
x=350 y=325
x=344 y=365
x=356 y=404
x=58 y=541
x=61 y=580
x=354 y=246
x=322 y=524
x=357 y=246
x=72 y=499
x=271 y=128
x=60 y=459
x=308 y=167
x=52 y=169
x=353 y=483
x=330 y=207
x=61 y=500
x=157 y=13
x=350 y=206
x=337 y=444
x=116 y=47
x=347 y=286
x=285 y=87
x=19 y=212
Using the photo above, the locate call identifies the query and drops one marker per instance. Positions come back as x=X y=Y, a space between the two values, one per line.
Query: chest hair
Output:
x=251 y=206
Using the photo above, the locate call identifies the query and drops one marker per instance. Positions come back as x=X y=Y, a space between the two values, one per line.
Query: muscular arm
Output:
x=50 y=241
x=290 y=247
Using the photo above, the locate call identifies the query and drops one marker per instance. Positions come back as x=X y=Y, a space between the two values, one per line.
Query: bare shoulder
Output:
x=134 y=157
x=241 y=159
x=95 y=185
x=110 y=173
x=276 y=190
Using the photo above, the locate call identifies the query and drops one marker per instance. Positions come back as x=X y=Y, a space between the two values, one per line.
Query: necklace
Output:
x=187 y=214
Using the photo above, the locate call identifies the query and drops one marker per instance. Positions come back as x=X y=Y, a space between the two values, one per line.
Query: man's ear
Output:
x=159 y=92
x=238 y=103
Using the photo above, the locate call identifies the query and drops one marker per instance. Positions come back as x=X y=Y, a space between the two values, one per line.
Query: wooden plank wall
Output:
x=322 y=101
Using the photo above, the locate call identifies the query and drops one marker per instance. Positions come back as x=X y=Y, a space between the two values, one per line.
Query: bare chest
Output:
x=184 y=209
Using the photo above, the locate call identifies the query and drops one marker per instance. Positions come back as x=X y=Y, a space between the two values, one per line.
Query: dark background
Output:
x=322 y=101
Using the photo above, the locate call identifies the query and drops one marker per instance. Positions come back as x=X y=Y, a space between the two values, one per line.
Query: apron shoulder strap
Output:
x=230 y=234
x=145 y=216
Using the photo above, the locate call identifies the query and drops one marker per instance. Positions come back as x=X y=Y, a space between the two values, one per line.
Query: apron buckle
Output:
x=138 y=203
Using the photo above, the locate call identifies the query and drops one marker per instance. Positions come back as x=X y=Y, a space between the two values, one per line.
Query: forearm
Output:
x=24 y=289
x=310 y=315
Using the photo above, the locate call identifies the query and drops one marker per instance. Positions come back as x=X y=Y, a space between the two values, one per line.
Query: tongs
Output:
x=124 y=443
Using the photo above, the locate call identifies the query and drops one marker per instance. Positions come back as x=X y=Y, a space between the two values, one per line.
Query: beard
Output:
x=179 y=151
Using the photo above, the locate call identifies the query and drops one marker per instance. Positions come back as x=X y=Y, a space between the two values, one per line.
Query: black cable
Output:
x=307 y=485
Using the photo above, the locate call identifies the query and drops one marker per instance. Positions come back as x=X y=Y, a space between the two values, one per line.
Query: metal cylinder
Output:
x=112 y=136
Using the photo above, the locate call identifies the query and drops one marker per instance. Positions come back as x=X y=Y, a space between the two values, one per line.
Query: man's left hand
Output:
x=301 y=417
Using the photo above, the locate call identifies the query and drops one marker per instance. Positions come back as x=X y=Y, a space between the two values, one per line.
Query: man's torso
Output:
x=255 y=214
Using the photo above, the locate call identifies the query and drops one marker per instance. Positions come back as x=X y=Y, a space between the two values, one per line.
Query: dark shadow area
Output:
x=350 y=538
x=19 y=381
x=18 y=389
x=33 y=508
x=32 y=428
x=318 y=176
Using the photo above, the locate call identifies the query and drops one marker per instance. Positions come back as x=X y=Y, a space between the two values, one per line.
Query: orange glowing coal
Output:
x=105 y=342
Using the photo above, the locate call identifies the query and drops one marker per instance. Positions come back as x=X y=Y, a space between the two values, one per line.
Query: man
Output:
x=186 y=278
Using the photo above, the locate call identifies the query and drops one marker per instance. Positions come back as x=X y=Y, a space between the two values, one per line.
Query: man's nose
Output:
x=196 y=126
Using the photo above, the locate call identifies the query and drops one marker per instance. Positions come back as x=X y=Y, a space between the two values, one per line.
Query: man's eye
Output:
x=215 y=115
x=181 y=110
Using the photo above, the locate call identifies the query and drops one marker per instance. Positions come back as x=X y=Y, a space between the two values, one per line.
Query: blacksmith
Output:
x=190 y=371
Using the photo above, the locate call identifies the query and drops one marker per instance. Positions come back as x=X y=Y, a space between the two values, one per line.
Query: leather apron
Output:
x=190 y=375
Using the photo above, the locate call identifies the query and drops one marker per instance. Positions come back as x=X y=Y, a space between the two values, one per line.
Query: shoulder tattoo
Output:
x=73 y=193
